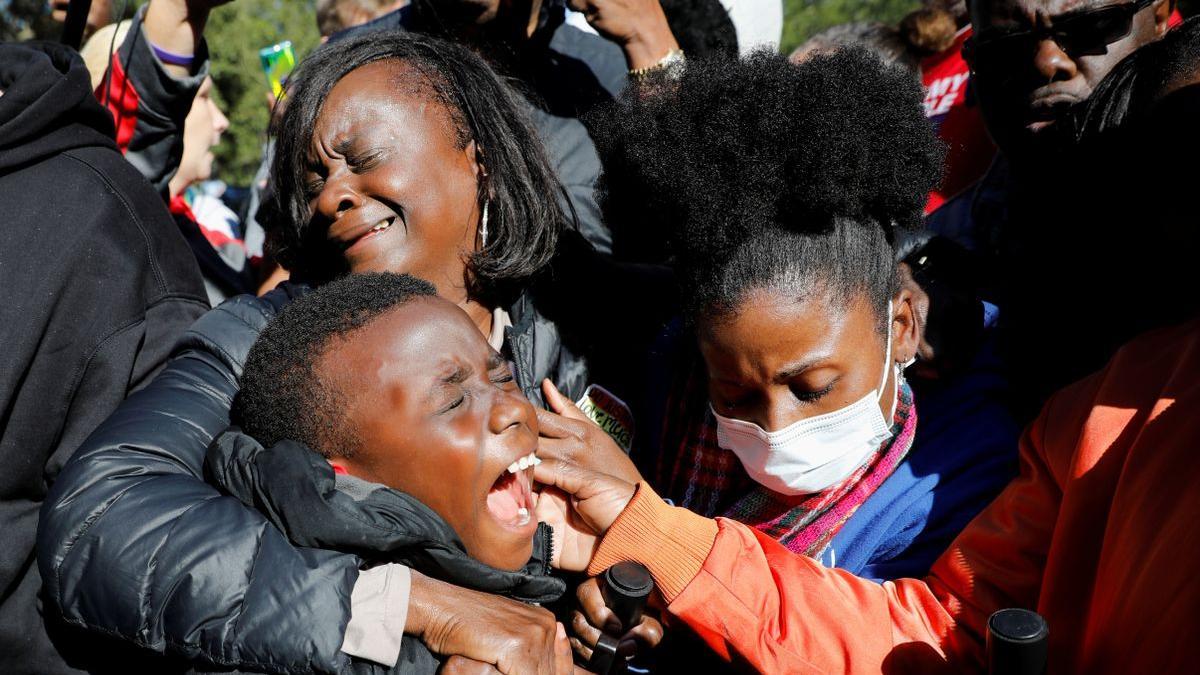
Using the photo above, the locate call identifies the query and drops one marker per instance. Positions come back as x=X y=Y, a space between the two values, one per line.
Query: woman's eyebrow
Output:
x=793 y=369
x=458 y=375
x=344 y=146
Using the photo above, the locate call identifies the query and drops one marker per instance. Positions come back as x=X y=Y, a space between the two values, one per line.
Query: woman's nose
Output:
x=337 y=198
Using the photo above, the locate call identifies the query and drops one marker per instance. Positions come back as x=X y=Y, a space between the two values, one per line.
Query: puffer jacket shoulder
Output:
x=134 y=544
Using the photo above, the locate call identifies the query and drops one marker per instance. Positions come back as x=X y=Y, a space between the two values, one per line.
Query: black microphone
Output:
x=1016 y=642
x=625 y=587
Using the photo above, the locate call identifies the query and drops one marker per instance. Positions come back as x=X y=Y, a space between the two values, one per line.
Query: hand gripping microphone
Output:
x=625 y=587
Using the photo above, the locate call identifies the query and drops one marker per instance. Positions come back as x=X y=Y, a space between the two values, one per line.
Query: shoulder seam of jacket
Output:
x=81 y=370
x=158 y=276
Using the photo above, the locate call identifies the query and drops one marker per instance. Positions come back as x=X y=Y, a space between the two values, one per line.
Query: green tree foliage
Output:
x=804 y=18
x=235 y=33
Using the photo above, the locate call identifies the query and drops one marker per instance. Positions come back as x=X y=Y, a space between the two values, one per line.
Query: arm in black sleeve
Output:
x=133 y=543
x=149 y=105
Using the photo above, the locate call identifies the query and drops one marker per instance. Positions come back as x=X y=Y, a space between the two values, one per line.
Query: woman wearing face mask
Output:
x=792 y=413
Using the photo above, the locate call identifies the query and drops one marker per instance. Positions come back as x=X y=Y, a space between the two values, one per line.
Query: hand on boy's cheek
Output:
x=574 y=541
x=592 y=616
x=566 y=433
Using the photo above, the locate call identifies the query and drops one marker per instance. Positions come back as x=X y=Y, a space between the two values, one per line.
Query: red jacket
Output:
x=1098 y=534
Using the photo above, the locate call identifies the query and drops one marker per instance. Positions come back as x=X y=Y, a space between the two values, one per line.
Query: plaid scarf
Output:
x=700 y=475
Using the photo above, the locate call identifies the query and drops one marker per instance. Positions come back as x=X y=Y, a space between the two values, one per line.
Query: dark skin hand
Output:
x=385 y=154
x=593 y=616
x=779 y=360
x=569 y=434
x=1026 y=96
x=591 y=500
x=638 y=26
x=498 y=635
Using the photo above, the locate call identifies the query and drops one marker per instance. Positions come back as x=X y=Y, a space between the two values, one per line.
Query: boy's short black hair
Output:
x=282 y=395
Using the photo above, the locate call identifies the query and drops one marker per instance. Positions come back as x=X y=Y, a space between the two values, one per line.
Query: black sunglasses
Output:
x=1084 y=32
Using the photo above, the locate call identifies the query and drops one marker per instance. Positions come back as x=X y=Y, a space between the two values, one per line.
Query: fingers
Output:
x=564 y=664
x=553 y=425
x=564 y=475
x=591 y=603
x=649 y=633
x=559 y=403
x=586 y=635
x=598 y=497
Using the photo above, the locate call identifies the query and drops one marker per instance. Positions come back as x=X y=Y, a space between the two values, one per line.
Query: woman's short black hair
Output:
x=525 y=216
x=763 y=173
x=283 y=395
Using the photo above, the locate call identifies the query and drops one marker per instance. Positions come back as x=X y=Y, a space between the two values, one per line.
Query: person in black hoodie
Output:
x=98 y=285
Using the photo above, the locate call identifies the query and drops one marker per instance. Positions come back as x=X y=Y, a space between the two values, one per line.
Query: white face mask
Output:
x=816 y=453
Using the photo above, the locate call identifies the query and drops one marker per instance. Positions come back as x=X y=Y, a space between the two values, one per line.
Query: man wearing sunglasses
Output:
x=1032 y=63
x=1034 y=60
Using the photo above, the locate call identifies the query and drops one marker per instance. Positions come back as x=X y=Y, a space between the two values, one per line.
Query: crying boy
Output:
x=394 y=386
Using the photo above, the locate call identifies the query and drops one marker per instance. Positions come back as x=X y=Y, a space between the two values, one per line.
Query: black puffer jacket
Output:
x=299 y=493
x=135 y=544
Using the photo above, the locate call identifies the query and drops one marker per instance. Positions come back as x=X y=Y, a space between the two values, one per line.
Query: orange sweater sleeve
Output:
x=781 y=612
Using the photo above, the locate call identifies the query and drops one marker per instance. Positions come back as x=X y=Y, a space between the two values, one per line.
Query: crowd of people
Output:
x=850 y=349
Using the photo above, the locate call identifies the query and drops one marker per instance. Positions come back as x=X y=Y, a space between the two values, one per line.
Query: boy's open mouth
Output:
x=511 y=497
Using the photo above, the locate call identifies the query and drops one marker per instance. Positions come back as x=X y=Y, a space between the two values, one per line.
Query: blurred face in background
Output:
x=507 y=20
x=1035 y=60
x=201 y=132
x=100 y=15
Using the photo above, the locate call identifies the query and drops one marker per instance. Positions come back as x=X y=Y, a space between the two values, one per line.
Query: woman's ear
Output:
x=479 y=165
x=906 y=325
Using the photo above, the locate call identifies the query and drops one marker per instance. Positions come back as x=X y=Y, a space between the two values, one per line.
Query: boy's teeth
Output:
x=524 y=463
x=381 y=225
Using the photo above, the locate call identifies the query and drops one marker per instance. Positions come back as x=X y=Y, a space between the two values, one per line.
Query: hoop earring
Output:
x=483 y=223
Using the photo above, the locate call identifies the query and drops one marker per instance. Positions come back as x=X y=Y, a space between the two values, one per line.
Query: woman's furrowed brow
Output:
x=457 y=376
x=344 y=146
x=495 y=360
